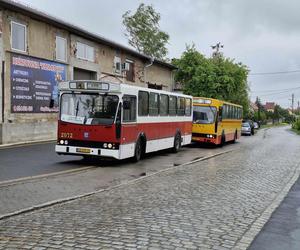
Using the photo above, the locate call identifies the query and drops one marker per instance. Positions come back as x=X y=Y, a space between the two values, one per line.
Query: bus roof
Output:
x=205 y=101
x=108 y=87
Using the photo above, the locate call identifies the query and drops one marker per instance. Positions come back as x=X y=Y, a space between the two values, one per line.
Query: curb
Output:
x=26 y=143
x=259 y=223
x=130 y=182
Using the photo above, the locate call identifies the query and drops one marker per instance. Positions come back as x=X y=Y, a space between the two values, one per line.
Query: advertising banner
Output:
x=34 y=84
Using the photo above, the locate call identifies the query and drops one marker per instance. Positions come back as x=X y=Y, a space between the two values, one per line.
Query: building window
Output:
x=117 y=65
x=129 y=67
x=61 y=49
x=154 y=86
x=85 y=52
x=18 y=36
x=143 y=103
x=129 y=108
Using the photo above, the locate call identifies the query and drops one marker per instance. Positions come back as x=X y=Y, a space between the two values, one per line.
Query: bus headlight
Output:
x=66 y=142
x=61 y=142
x=105 y=145
x=109 y=145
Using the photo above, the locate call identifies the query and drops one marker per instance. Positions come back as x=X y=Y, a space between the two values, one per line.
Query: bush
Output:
x=296 y=125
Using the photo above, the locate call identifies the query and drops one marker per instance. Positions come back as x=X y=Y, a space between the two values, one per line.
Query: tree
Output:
x=143 y=31
x=216 y=77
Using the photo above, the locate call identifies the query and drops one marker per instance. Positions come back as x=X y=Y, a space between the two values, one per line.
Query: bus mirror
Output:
x=126 y=105
x=51 y=104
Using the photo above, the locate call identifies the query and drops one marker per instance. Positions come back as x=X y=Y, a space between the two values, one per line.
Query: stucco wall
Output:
x=160 y=75
x=41 y=37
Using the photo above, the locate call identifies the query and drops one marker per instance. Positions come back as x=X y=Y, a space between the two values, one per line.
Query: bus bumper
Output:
x=101 y=152
x=205 y=140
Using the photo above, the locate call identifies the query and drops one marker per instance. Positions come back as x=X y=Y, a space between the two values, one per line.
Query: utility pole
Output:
x=293 y=97
x=258 y=105
x=298 y=109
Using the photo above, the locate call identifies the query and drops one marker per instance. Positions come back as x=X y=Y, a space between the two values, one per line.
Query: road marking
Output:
x=130 y=182
x=42 y=176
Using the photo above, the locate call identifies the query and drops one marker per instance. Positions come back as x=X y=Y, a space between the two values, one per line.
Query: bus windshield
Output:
x=204 y=114
x=89 y=109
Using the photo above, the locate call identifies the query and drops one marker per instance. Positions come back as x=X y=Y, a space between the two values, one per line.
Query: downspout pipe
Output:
x=147 y=66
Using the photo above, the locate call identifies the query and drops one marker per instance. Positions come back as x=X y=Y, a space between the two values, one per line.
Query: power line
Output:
x=278 y=93
x=274 y=90
x=274 y=73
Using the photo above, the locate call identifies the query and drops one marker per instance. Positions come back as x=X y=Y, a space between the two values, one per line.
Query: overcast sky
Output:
x=263 y=34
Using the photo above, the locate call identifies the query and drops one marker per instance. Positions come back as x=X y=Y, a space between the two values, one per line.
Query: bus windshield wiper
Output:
x=77 y=108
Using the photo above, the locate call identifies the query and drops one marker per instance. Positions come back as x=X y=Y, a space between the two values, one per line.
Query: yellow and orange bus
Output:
x=216 y=121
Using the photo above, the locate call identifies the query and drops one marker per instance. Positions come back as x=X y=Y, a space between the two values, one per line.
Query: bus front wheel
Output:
x=223 y=139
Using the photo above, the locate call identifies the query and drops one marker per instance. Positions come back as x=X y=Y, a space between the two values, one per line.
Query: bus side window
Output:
x=172 y=105
x=153 y=104
x=188 y=106
x=164 y=105
x=129 y=108
x=224 y=112
x=234 y=112
x=180 y=106
x=143 y=103
x=230 y=112
x=221 y=113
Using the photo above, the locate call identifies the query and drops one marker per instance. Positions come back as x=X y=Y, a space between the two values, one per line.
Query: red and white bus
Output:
x=115 y=120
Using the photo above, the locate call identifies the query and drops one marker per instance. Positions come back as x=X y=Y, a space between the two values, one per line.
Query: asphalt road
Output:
x=38 y=159
x=29 y=160
x=219 y=203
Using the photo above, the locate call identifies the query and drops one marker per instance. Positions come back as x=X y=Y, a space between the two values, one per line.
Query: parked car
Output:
x=256 y=125
x=251 y=123
x=246 y=128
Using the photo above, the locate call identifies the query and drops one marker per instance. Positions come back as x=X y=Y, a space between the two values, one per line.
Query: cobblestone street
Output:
x=219 y=203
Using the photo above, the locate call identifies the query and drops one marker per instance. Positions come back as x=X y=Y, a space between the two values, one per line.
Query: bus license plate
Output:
x=83 y=150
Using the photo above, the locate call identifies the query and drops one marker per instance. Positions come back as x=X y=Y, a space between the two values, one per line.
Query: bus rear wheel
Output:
x=138 y=151
x=235 y=137
x=177 y=143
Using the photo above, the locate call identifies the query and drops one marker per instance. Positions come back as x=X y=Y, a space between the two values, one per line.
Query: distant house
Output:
x=290 y=111
x=269 y=106
x=253 y=107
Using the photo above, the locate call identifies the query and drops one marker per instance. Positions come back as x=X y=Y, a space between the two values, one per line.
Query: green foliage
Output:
x=143 y=33
x=260 y=116
x=216 y=77
x=296 y=125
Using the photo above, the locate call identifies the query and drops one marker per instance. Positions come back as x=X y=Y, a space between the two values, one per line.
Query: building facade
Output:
x=37 y=51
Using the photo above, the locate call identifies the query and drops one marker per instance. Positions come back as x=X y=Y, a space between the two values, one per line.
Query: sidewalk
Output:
x=282 y=231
